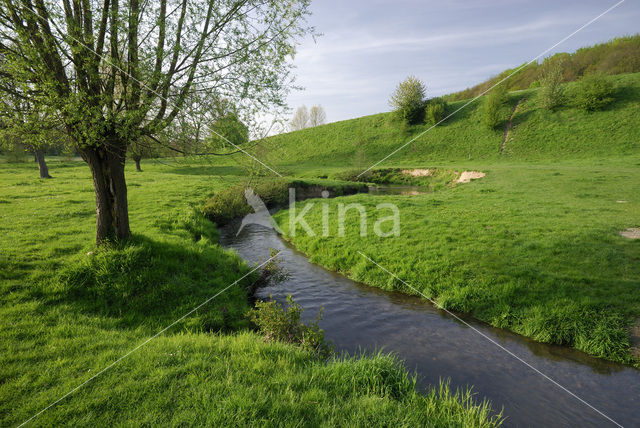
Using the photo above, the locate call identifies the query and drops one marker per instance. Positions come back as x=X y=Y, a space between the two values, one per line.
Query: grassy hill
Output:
x=617 y=56
x=537 y=134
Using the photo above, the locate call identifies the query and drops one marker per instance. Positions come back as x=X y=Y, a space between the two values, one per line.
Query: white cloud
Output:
x=366 y=42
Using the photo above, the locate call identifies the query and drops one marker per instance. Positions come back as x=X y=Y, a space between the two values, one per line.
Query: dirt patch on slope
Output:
x=631 y=233
x=418 y=172
x=467 y=176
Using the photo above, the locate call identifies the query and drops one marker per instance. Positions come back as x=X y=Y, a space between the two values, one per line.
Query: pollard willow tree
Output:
x=115 y=71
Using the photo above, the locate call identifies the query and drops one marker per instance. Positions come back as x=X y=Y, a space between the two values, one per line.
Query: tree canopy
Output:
x=408 y=100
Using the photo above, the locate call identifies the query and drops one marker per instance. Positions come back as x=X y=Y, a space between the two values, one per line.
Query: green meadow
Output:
x=70 y=310
x=122 y=304
x=533 y=247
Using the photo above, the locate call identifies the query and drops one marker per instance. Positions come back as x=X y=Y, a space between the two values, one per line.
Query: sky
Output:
x=369 y=46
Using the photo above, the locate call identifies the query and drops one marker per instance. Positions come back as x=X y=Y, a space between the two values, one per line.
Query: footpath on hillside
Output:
x=508 y=127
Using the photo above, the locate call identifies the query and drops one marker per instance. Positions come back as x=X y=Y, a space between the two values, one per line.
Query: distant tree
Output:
x=15 y=138
x=551 y=94
x=188 y=133
x=142 y=148
x=212 y=127
x=26 y=138
x=24 y=126
x=317 y=116
x=16 y=143
x=493 y=110
x=300 y=119
x=435 y=111
x=408 y=100
x=593 y=92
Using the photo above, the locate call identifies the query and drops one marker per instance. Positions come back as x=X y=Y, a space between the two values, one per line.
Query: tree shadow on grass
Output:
x=153 y=283
x=209 y=170
x=623 y=96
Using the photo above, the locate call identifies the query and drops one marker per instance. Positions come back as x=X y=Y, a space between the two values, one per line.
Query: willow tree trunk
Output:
x=110 y=188
x=137 y=159
x=42 y=165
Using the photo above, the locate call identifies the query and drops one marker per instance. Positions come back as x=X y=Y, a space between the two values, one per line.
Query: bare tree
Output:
x=317 y=116
x=300 y=119
x=117 y=70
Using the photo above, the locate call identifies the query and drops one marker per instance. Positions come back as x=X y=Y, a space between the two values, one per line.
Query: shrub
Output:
x=285 y=325
x=408 y=100
x=231 y=203
x=493 y=106
x=273 y=192
x=224 y=206
x=593 y=92
x=435 y=111
x=551 y=94
x=271 y=274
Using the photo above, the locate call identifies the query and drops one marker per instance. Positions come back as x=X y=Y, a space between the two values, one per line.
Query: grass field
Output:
x=532 y=247
x=68 y=310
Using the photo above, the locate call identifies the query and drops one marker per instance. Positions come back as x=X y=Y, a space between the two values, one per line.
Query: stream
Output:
x=436 y=346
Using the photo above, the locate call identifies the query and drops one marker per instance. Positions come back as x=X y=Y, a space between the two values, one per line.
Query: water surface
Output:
x=437 y=346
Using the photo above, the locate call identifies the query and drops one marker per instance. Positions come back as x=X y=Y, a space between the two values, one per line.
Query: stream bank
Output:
x=436 y=346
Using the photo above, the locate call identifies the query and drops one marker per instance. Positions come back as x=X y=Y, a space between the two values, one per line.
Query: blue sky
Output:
x=369 y=46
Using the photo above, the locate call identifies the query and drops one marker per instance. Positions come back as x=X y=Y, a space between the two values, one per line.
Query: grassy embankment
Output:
x=69 y=310
x=532 y=247
x=538 y=135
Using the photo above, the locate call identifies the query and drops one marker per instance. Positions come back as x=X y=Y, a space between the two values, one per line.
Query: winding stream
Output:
x=436 y=345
